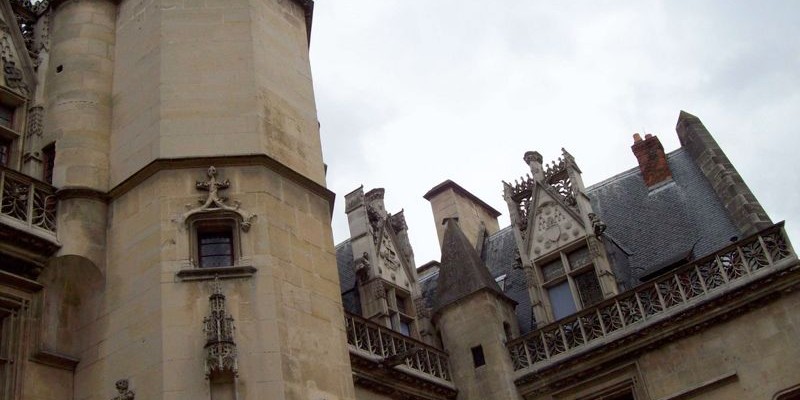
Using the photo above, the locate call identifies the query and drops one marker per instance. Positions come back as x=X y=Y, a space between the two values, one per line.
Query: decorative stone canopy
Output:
x=221 y=354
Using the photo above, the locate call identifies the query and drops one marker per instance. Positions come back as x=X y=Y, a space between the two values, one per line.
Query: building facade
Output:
x=165 y=234
x=666 y=281
x=166 y=226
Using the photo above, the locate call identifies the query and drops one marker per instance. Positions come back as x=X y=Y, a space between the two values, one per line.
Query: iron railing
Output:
x=659 y=298
x=367 y=337
x=27 y=200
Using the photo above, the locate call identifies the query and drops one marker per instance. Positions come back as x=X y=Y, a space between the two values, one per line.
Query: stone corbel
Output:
x=215 y=203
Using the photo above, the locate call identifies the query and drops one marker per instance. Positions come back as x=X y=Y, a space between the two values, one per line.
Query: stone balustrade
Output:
x=393 y=348
x=27 y=201
x=734 y=266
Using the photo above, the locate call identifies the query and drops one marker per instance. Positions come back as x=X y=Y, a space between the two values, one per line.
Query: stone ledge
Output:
x=55 y=360
x=202 y=274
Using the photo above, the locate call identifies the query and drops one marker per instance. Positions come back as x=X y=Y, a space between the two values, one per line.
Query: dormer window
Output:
x=570 y=282
x=400 y=311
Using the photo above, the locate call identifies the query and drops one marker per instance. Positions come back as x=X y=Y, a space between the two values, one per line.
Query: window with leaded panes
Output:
x=570 y=281
x=215 y=242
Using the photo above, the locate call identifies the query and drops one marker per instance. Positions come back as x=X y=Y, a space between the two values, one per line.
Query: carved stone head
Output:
x=122 y=385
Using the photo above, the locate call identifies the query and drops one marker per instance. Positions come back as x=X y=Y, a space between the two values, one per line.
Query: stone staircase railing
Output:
x=27 y=201
x=369 y=338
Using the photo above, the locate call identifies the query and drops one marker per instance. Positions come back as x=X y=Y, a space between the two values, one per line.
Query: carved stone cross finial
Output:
x=124 y=392
x=211 y=185
x=214 y=202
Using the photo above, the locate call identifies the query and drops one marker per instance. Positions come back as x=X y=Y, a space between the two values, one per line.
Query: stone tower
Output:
x=192 y=255
x=475 y=319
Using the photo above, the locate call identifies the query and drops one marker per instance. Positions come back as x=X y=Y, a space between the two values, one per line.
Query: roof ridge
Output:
x=346 y=241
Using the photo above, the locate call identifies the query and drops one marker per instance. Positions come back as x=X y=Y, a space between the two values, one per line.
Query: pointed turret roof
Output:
x=462 y=272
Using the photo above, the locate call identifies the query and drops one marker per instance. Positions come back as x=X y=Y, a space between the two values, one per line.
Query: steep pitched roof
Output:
x=347 y=277
x=663 y=225
x=462 y=271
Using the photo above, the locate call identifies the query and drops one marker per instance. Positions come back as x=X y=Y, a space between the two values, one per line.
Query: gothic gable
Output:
x=390 y=263
x=18 y=74
x=552 y=223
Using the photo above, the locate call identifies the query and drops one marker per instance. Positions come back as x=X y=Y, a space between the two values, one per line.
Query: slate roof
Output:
x=462 y=272
x=647 y=230
x=347 y=277
x=500 y=256
x=662 y=225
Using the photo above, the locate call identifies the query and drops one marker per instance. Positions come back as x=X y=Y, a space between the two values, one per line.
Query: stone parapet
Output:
x=625 y=321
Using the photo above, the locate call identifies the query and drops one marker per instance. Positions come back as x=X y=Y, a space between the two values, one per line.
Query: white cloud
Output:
x=413 y=92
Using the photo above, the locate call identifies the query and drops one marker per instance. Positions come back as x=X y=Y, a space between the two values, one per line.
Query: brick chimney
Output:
x=652 y=159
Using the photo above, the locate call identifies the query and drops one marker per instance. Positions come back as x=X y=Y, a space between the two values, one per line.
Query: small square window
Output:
x=477 y=356
x=215 y=248
x=215 y=242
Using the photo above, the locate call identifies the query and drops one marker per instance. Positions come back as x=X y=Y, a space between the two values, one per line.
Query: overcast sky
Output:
x=411 y=93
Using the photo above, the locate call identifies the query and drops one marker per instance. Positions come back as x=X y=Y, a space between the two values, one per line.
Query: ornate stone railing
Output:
x=27 y=200
x=733 y=266
x=392 y=348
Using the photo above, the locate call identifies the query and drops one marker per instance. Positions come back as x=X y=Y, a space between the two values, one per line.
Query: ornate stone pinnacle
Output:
x=532 y=156
x=221 y=353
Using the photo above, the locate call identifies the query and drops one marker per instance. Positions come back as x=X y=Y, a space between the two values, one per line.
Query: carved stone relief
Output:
x=214 y=202
x=11 y=73
x=35 y=121
x=221 y=353
x=388 y=254
x=377 y=290
x=422 y=309
x=125 y=393
x=554 y=227
x=598 y=226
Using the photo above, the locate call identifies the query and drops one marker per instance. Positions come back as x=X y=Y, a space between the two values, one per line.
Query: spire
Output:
x=462 y=272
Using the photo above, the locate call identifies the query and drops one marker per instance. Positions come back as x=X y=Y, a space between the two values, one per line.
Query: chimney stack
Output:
x=652 y=159
x=475 y=217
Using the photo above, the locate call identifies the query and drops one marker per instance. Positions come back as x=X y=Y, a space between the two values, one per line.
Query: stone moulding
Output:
x=263 y=160
x=199 y=274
